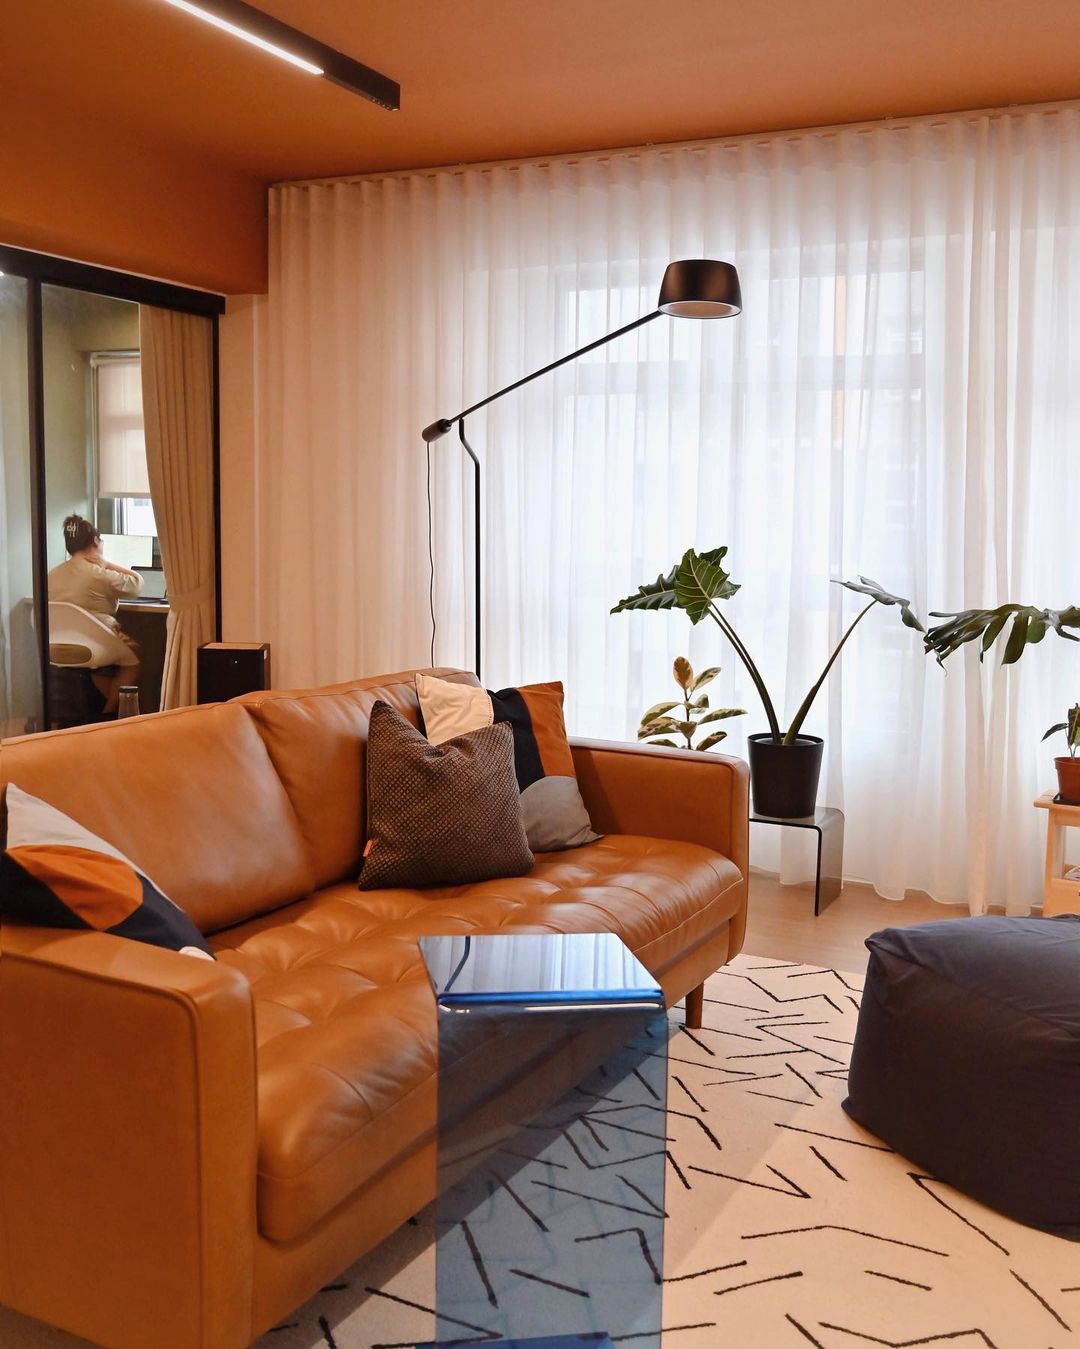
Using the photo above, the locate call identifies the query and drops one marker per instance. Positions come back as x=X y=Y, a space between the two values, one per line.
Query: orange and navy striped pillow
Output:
x=552 y=810
x=55 y=873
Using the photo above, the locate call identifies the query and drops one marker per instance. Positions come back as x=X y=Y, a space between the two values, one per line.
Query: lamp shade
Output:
x=699 y=288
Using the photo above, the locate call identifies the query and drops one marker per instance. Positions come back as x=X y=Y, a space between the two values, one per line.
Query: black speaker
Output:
x=227 y=669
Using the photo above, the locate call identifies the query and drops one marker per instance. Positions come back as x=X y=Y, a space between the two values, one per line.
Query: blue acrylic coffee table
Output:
x=552 y=1145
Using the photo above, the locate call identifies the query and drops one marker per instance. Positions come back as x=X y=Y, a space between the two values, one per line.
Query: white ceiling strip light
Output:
x=236 y=31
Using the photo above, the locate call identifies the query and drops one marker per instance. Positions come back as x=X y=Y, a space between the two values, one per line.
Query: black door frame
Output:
x=42 y=269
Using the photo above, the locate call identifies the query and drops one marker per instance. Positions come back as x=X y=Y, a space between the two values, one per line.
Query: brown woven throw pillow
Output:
x=443 y=814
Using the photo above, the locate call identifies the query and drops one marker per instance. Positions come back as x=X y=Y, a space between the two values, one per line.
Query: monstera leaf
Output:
x=691 y=585
x=1027 y=626
x=864 y=586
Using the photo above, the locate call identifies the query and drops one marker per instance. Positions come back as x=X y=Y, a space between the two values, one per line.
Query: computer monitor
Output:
x=129 y=550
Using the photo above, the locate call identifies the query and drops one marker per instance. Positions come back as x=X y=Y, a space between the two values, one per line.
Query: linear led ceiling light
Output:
x=299 y=49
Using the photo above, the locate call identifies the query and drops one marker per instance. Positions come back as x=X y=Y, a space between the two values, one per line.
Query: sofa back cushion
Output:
x=317 y=740
x=190 y=796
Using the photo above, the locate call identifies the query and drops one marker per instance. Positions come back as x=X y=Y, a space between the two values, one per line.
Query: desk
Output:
x=144 y=623
x=1060 y=895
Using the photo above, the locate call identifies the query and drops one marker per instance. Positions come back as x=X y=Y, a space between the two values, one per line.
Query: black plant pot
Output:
x=784 y=778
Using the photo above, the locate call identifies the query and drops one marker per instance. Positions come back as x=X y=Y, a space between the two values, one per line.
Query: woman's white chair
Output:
x=81 y=640
x=80 y=644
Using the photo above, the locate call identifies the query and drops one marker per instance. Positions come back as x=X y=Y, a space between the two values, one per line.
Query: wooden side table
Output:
x=1060 y=895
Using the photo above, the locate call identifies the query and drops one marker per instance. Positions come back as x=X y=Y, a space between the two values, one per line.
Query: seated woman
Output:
x=97 y=585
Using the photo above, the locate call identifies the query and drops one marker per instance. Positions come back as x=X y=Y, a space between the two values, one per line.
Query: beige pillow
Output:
x=551 y=806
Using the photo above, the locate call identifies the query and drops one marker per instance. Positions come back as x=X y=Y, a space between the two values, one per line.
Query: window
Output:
x=120 y=443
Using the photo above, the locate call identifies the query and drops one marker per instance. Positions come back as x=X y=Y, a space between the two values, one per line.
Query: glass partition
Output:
x=72 y=443
x=20 y=671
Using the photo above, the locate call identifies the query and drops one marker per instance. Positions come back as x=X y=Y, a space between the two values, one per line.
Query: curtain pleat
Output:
x=178 y=411
x=900 y=398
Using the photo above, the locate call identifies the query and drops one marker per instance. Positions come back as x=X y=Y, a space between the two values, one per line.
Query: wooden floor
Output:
x=780 y=921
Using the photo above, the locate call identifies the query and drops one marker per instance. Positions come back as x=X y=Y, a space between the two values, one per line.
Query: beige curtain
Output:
x=178 y=408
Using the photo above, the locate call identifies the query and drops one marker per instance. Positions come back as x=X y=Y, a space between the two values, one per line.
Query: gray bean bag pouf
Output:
x=967 y=1060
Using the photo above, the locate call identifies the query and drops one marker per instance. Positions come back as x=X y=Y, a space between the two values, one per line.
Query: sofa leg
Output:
x=695 y=1005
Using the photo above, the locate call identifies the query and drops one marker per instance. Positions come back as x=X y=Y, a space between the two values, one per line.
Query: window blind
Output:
x=121 y=444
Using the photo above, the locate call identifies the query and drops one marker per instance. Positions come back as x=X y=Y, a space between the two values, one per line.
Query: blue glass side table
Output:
x=552 y=1142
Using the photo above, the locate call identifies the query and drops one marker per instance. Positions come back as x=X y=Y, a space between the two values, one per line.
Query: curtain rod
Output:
x=789 y=134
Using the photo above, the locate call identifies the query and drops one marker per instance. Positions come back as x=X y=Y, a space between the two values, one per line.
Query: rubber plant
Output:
x=659 y=724
x=698 y=584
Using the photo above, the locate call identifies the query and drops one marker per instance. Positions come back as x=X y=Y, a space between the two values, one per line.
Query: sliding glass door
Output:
x=71 y=442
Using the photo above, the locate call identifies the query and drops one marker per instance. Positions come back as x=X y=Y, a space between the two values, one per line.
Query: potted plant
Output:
x=1026 y=627
x=658 y=725
x=1068 y=766
x=784 y=764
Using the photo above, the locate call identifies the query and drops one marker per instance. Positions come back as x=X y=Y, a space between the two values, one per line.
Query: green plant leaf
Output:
x=686 y=728
x=1014 y=647
x=669 y=743
x=658 y=594
x=705 y=677
x=657 y=710
x=1029 y=625
x=865 y=586
x=658 y=726
x=1061 y=726
x=713 y=739
x=722 y=714
x=1059 y=619
x=691 y=578
x=700 y=579
x=992 y=633
x=700 y=704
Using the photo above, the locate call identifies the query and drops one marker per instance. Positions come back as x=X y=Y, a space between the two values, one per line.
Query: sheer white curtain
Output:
x=900 y=397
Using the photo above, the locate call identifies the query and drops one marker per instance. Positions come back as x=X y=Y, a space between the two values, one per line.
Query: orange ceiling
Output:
x=489 y=79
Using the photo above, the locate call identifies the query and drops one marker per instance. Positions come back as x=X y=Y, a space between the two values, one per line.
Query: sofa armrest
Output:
x=686 y=795
x=127 y=1140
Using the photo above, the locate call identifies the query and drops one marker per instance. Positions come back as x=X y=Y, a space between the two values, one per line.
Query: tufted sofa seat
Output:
x=340 y=992
x=223 y=1138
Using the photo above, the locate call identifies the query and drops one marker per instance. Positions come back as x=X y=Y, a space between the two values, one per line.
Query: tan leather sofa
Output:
x=189 y=1150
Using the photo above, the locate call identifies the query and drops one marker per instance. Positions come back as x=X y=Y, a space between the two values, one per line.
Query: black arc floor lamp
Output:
x=695 y=288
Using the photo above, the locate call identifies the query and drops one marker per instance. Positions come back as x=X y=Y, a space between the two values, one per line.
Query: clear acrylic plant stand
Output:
x=552 y=1144
x=828 y=824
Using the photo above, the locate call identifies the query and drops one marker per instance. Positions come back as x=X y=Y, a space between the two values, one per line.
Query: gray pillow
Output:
x=445 y=814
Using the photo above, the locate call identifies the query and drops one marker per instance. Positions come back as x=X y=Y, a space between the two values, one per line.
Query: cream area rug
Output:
x=789 y=1226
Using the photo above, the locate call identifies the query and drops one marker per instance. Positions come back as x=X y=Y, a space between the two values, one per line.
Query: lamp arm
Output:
x=445 y=424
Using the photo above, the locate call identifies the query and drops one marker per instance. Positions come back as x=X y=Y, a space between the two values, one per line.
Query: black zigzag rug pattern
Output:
x=788 y=1224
